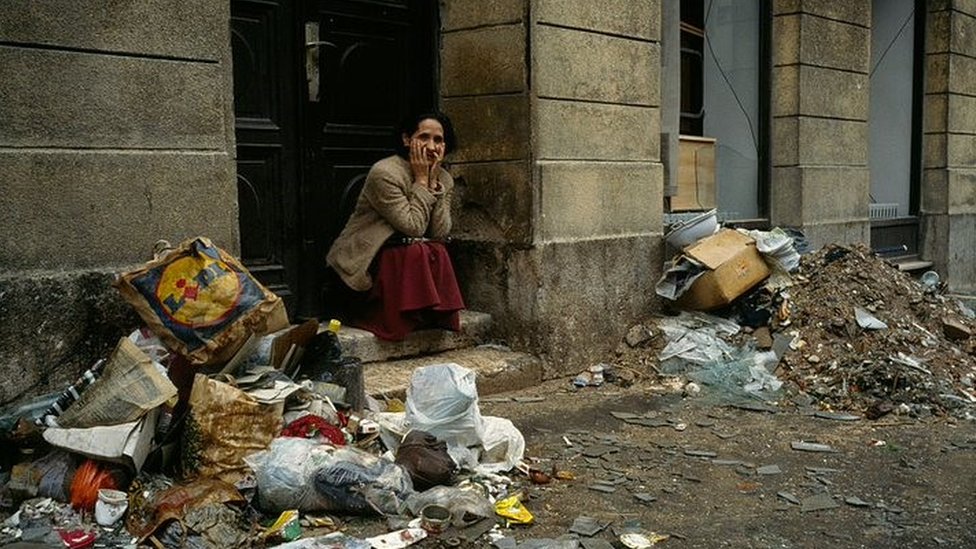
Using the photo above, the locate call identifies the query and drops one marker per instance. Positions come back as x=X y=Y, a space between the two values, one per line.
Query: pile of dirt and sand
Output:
x=923 y=361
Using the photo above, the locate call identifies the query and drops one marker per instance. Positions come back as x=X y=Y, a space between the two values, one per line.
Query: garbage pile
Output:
x=867 y=337
x=218 y=424
x=843 y=328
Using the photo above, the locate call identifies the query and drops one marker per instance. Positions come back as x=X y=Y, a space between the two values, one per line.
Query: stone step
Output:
x=369 y=348
x=498 y=369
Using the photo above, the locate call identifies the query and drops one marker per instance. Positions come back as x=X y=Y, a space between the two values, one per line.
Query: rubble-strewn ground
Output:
x=870 y=442
x=907 y=482
x=652 y=456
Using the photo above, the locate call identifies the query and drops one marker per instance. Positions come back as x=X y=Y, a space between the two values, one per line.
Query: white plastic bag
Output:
x=442 y=400
x=503 y=446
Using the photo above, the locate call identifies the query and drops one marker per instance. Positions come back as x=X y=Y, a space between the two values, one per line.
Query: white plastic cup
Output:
x=110 y=507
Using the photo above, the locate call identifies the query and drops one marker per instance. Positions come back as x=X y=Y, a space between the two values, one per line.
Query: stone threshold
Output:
x=498 y=369
x=368 y=348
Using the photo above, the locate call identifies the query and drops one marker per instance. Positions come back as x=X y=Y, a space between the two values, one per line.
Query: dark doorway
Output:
x=318 y=87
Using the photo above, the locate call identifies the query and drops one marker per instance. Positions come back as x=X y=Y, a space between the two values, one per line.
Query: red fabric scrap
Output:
x=311 y=426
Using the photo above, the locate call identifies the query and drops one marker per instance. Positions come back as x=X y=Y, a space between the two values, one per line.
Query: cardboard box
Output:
x=734 y=267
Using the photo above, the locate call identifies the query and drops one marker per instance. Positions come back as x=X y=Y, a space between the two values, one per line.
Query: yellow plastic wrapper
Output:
x=286 y=527
x=512 y=509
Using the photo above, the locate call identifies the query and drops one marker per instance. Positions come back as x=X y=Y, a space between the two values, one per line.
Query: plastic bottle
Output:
x=324 y=361
x=322 y=354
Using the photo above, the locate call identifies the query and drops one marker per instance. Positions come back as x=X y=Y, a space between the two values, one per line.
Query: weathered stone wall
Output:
x=117 y=130
x=948 y=198
x=819 y=149
x=560 y=223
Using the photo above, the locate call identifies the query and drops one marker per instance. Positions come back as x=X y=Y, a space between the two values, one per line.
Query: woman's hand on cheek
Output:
x=419 y=164
x=435 y=169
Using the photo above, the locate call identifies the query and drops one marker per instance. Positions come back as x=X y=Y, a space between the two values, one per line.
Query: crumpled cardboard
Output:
x=226 y=426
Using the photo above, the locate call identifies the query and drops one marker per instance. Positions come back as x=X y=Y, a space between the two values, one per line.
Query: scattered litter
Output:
x=837 y=416
x=606 y=489
x=397 y=539
x=511 y=508
x=591 y=377
x=905 y=360
x=868 y=321
x=641 y=541
x=811 y=447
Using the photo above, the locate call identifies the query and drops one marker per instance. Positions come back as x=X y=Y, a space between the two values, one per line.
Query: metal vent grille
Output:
x=883 y=211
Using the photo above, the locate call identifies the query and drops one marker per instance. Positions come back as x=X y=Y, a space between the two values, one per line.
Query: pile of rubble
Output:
x=844 y=330
x=923 y=360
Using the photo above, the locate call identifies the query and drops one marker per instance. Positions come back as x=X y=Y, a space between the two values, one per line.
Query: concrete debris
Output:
x=955 y=329
x=856 y=502
x=819 y=502
x=638 y=335
x=789 y=497
x=811 y=447
x=769 y=470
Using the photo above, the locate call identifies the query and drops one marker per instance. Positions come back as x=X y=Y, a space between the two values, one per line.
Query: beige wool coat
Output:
x=389 y=203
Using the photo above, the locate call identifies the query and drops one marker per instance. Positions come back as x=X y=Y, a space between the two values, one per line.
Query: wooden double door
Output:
x=318 y=88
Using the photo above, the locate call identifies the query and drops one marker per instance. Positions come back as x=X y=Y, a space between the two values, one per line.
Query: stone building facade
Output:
x=118 y=129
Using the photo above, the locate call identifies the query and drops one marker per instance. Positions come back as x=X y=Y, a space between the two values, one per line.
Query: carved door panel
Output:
x=313 y=118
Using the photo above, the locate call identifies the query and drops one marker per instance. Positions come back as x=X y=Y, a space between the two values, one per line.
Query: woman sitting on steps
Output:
x=390 y=255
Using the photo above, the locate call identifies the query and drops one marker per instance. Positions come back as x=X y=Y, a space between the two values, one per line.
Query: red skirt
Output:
x=413 y=287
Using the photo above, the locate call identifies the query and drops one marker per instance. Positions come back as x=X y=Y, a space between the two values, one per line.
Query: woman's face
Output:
x=430 y=135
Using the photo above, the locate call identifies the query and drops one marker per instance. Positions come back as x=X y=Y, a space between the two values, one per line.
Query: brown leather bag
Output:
x=426 y=460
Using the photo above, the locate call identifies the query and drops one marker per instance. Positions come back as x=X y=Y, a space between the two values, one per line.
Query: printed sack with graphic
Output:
x=200 y=301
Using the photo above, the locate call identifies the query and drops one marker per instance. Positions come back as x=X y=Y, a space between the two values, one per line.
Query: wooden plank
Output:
x=696 y=174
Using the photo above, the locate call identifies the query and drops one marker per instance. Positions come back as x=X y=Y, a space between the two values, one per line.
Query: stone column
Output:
x=819 y=150
x=948 y=198
x=560 y=209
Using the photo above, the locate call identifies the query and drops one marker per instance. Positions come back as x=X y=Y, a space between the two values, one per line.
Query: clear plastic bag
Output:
x=284 y=474
x=442 y=400
x=503 y=446
x=466 y=505
x=357 y=481
x=303 y=474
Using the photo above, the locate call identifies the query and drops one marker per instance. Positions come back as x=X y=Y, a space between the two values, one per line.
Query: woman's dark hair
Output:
x=409 y=125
